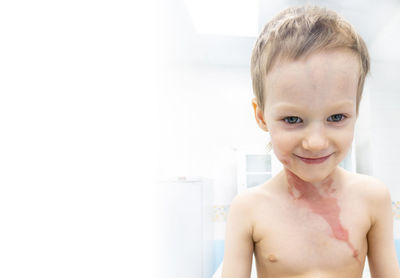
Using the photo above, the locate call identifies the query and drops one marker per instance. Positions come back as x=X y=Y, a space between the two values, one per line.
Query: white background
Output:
x=77 y=138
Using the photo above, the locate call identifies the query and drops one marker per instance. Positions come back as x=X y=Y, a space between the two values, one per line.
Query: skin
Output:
x=325 y=205
x=310 y=112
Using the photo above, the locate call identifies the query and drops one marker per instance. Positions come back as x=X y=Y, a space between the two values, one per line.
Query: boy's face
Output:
x=310 y=111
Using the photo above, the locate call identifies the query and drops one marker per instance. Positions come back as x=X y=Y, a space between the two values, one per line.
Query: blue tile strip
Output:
x=218 y=253
x=397 y=245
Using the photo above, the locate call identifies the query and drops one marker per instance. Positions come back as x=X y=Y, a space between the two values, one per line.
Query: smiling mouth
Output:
x=314 y=160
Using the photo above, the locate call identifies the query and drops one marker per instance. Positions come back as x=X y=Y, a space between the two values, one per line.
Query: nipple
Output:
x=272 y=258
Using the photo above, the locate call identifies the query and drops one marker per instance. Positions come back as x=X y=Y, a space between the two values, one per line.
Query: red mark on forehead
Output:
x=325 y=206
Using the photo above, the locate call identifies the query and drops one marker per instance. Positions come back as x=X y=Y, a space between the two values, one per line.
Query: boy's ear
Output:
x=259 y=115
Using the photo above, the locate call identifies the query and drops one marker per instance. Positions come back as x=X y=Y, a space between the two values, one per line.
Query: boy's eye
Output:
x=337 y=117
x=294 y=119
x=291 y=119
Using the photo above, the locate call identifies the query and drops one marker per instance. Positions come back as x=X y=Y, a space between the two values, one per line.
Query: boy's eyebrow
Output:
x=290 y=105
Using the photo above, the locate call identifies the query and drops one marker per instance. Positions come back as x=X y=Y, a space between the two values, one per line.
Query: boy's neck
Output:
x=300 y=189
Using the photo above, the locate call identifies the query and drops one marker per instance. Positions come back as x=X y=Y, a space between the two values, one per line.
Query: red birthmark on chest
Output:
x=325 y=206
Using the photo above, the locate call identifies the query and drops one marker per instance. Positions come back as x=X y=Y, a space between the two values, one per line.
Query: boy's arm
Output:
x=382 y=257
x=238 y=252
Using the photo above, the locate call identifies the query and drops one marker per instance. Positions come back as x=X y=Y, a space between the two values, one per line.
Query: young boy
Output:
x=314 y=218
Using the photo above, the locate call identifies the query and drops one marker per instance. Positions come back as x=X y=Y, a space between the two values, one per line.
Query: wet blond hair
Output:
x=299 y=31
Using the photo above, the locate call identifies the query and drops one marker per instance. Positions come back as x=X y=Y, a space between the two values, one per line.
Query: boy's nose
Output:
x=315 y=140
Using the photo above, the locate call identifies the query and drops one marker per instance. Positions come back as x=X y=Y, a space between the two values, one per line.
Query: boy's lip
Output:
x=320 y=157
x=314 y=160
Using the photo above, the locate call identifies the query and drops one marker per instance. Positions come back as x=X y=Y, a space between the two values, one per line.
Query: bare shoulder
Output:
x=373 y=188
x=379 y=198
x=364 y=184
x=375 y=192
x=247 y=199
x=244 y=210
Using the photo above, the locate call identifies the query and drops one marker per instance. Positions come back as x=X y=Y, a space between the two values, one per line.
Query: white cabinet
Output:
x=255 y=166
x=184 y=229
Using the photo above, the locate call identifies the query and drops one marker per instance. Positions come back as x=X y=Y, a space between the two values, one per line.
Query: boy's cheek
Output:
x=348 y=140
x=283 y=147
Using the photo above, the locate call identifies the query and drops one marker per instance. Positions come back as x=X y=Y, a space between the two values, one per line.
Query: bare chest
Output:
x=295 y=238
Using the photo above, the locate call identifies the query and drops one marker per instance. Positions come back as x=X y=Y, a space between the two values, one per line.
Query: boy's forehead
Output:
x=295 y=105
x=340 y=62
x=303 y=97
x=329 y=76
